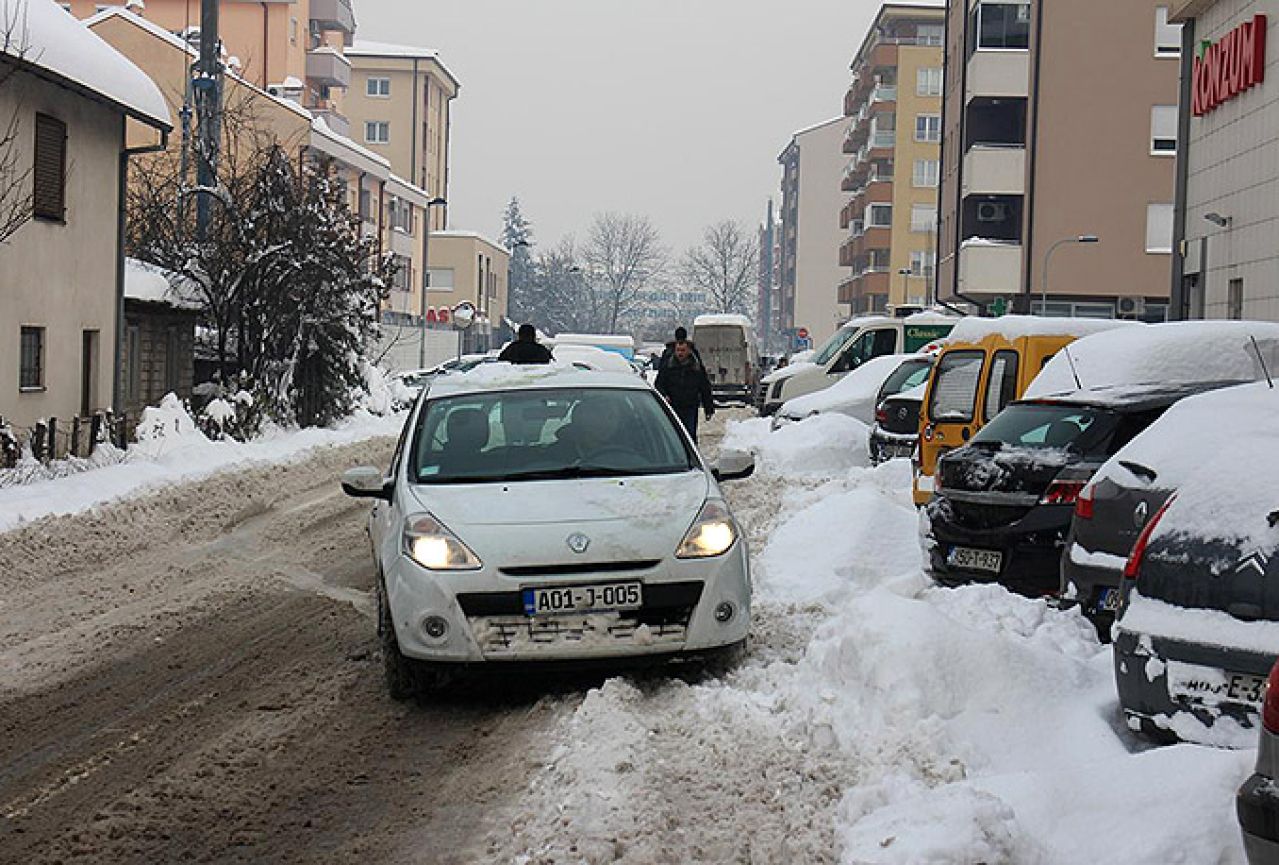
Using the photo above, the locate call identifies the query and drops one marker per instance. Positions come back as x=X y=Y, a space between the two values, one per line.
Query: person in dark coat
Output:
x=681 y=335
x=526 y=348
x=684 y=383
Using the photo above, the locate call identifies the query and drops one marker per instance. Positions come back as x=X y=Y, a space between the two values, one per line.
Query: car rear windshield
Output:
x=911 y=373
x=955 y=386
x=546 y=434
x=1081 y=429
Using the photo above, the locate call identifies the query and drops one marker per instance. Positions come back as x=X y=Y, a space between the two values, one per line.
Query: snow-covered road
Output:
x=192 y=674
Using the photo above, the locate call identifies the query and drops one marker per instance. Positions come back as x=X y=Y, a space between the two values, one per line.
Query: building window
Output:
x=366 y=205
x=1158 y=228
x=401 y=215
x=440 y=279
x=49 y=190
x=133 y=348
x=378 y=87
x=922 y=263
x=1163 y=130
x=923 y=217
x=1002 y=25
x=930 y=34
x=173 y=361
x=928 y=127
x=403 y=279
x=293 y=31
x=1235 y=300
x=928 y=81
x=879 y=216
x=1167 y=36
x=31 y=364
x=926 y=171
x=377 y=132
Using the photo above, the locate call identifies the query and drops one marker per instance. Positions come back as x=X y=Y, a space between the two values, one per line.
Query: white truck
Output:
x=726 y=344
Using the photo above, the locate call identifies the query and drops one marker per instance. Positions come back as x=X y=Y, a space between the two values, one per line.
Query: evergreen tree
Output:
x=517 y=236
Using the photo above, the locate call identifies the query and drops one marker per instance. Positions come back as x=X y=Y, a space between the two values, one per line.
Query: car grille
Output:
x=502 y=629
x=579 y=568
x=975 y=516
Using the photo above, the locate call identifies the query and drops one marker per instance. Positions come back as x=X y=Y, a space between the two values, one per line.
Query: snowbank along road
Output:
x=193 y=676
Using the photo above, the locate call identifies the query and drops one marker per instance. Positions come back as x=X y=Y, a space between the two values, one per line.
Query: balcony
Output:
x=989 y=267
x=883 y=139
x=995 y=170
x=1004 y=74
x=402 y=243
x=884 y=93
x=325 y=66
x=334 y=15
x=856 y=288
x=335 y=121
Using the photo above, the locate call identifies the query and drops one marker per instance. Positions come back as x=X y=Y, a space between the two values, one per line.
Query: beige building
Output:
x=1060 y=127
x=810 y=272
x=77 y=103
x=466 y=266
x=893 y=138
x=398 y=105
x=294 y=48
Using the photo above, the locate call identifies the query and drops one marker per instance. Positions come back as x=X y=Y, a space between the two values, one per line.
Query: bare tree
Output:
x=624 y=253
x=15 y=173
x=725 y=265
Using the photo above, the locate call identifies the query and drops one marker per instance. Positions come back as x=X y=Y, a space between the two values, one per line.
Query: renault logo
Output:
x=1139 y=514
x=578 y=542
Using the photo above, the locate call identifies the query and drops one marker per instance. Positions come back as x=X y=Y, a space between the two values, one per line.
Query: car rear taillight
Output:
x=1270 y=707
x=881 y=416
x=1133 y=566
x=1062 y=493
x=1084 y=502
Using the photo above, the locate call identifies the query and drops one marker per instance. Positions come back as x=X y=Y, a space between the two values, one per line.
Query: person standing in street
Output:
x=526 y=348
x=684 y=383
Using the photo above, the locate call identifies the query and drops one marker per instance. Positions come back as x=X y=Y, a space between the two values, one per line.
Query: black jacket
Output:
x=669 y=352
x=525 y=352
x=685 y=385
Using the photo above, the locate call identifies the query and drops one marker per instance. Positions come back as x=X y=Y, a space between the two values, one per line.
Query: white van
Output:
x=726 y=345
x=856 y=342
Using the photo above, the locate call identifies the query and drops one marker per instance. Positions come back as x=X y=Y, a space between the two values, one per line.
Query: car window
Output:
x=885 y=342
x=911 y=373
x=857 y=353
x=547 y=433
x=1001 y=386
x=1085 y=430
x=832 y=346
x=954 y=392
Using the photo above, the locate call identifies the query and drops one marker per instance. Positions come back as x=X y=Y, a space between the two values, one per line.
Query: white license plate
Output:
x=604 y=597
x=977 y=560
x=1209 y=685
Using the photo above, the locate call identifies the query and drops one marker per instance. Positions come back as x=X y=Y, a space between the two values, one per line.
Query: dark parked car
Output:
x=896 y=430
x=1257 y=803
x=1004 y=502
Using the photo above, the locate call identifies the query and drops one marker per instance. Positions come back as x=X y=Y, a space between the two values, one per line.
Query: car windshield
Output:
x=1082 y=429
x=545 y=434
x=910 y=374
x=832 y=346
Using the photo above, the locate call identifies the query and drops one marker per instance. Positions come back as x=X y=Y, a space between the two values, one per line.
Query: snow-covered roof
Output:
x=816 y=126
x=150 y=284
x=595 y=358
x=1177 y=352
x=1010 y=327
x=711 y=319
x=325 y=140
x=51 y=41
x=469 y=235
x=852 y=393
x=371 y=48
x=506 y=376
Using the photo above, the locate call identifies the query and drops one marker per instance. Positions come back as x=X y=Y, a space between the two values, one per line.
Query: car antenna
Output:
x=1262 y=360
x=1073 y=371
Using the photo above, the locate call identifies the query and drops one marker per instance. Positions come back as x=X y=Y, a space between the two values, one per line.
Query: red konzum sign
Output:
x=1230 y=66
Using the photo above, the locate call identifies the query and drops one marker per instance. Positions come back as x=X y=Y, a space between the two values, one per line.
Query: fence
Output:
x=54 y=438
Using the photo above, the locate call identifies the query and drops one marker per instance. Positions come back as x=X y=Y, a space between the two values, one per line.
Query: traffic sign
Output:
x=802 y=333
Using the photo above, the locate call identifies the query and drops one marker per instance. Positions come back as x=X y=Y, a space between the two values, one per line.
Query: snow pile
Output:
x=853 y=395
x=167 y=426
x=823 y=444
x=1175 y=352
x=1010 y=327
x=590 y=356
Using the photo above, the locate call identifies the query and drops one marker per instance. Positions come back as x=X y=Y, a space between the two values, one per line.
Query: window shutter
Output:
x=50 y=171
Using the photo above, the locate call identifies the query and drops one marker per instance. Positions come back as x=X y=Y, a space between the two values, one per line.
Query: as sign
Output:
x=1228 y=67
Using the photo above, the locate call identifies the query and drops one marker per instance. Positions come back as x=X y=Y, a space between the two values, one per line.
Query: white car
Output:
x=545 y=513
x=860 y=392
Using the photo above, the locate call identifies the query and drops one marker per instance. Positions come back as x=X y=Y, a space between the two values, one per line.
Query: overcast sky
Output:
x=672 y=108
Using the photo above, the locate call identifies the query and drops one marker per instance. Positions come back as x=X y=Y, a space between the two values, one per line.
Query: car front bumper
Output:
x=1030 y=549
x=486 y=621
x=885 y=446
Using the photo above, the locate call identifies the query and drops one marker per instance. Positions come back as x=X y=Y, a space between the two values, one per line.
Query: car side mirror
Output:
x=733 y=466
x=367 y=482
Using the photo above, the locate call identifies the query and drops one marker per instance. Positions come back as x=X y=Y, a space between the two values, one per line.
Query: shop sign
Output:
x=1228 y=67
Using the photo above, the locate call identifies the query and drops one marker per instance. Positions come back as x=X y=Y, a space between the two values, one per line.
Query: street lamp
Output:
x=426 y=274
x=1083 y=238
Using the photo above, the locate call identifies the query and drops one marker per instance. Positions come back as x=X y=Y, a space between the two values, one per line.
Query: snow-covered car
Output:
x=1256 y=804
x=413 y=380
x=858 y=393
x=1198 y=623
x=896 y=431
x=590 y=357
x=545 y=513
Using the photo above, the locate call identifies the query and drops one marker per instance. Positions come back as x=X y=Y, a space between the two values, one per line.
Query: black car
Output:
x=896 y=430
x=1004 y=502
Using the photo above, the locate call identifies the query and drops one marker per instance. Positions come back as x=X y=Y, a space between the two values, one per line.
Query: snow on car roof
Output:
x=722 y=318
x=509 y=376
x=49 y=38
x=1175 y=352
x=858 y=386
x=1010 y=327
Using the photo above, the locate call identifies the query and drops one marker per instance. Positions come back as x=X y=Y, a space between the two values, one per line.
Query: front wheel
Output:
x=401 y=673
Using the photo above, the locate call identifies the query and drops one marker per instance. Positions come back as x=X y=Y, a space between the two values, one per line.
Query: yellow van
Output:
x=986 y=364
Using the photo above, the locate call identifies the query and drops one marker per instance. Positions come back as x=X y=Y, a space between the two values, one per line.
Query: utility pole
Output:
x=207 y=85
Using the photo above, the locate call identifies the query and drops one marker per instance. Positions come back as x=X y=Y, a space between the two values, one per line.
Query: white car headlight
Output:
x=712 y=533
x=434 y=547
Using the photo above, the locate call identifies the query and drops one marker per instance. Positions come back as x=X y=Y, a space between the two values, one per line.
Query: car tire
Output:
x=401 y=673
x=721 y=662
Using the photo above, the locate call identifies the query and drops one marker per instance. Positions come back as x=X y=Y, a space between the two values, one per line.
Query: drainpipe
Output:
x=413 y=150
x=1028 y=201
x=266 y=45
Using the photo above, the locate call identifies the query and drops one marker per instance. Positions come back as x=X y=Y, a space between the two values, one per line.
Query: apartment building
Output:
x=79 y=110
x=293 y=48
x=1058 y=162
x=467 y=266
x=1226 y=220
x=767 y=301
x=810 y=272
x=399 y=105
x=893 y=109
